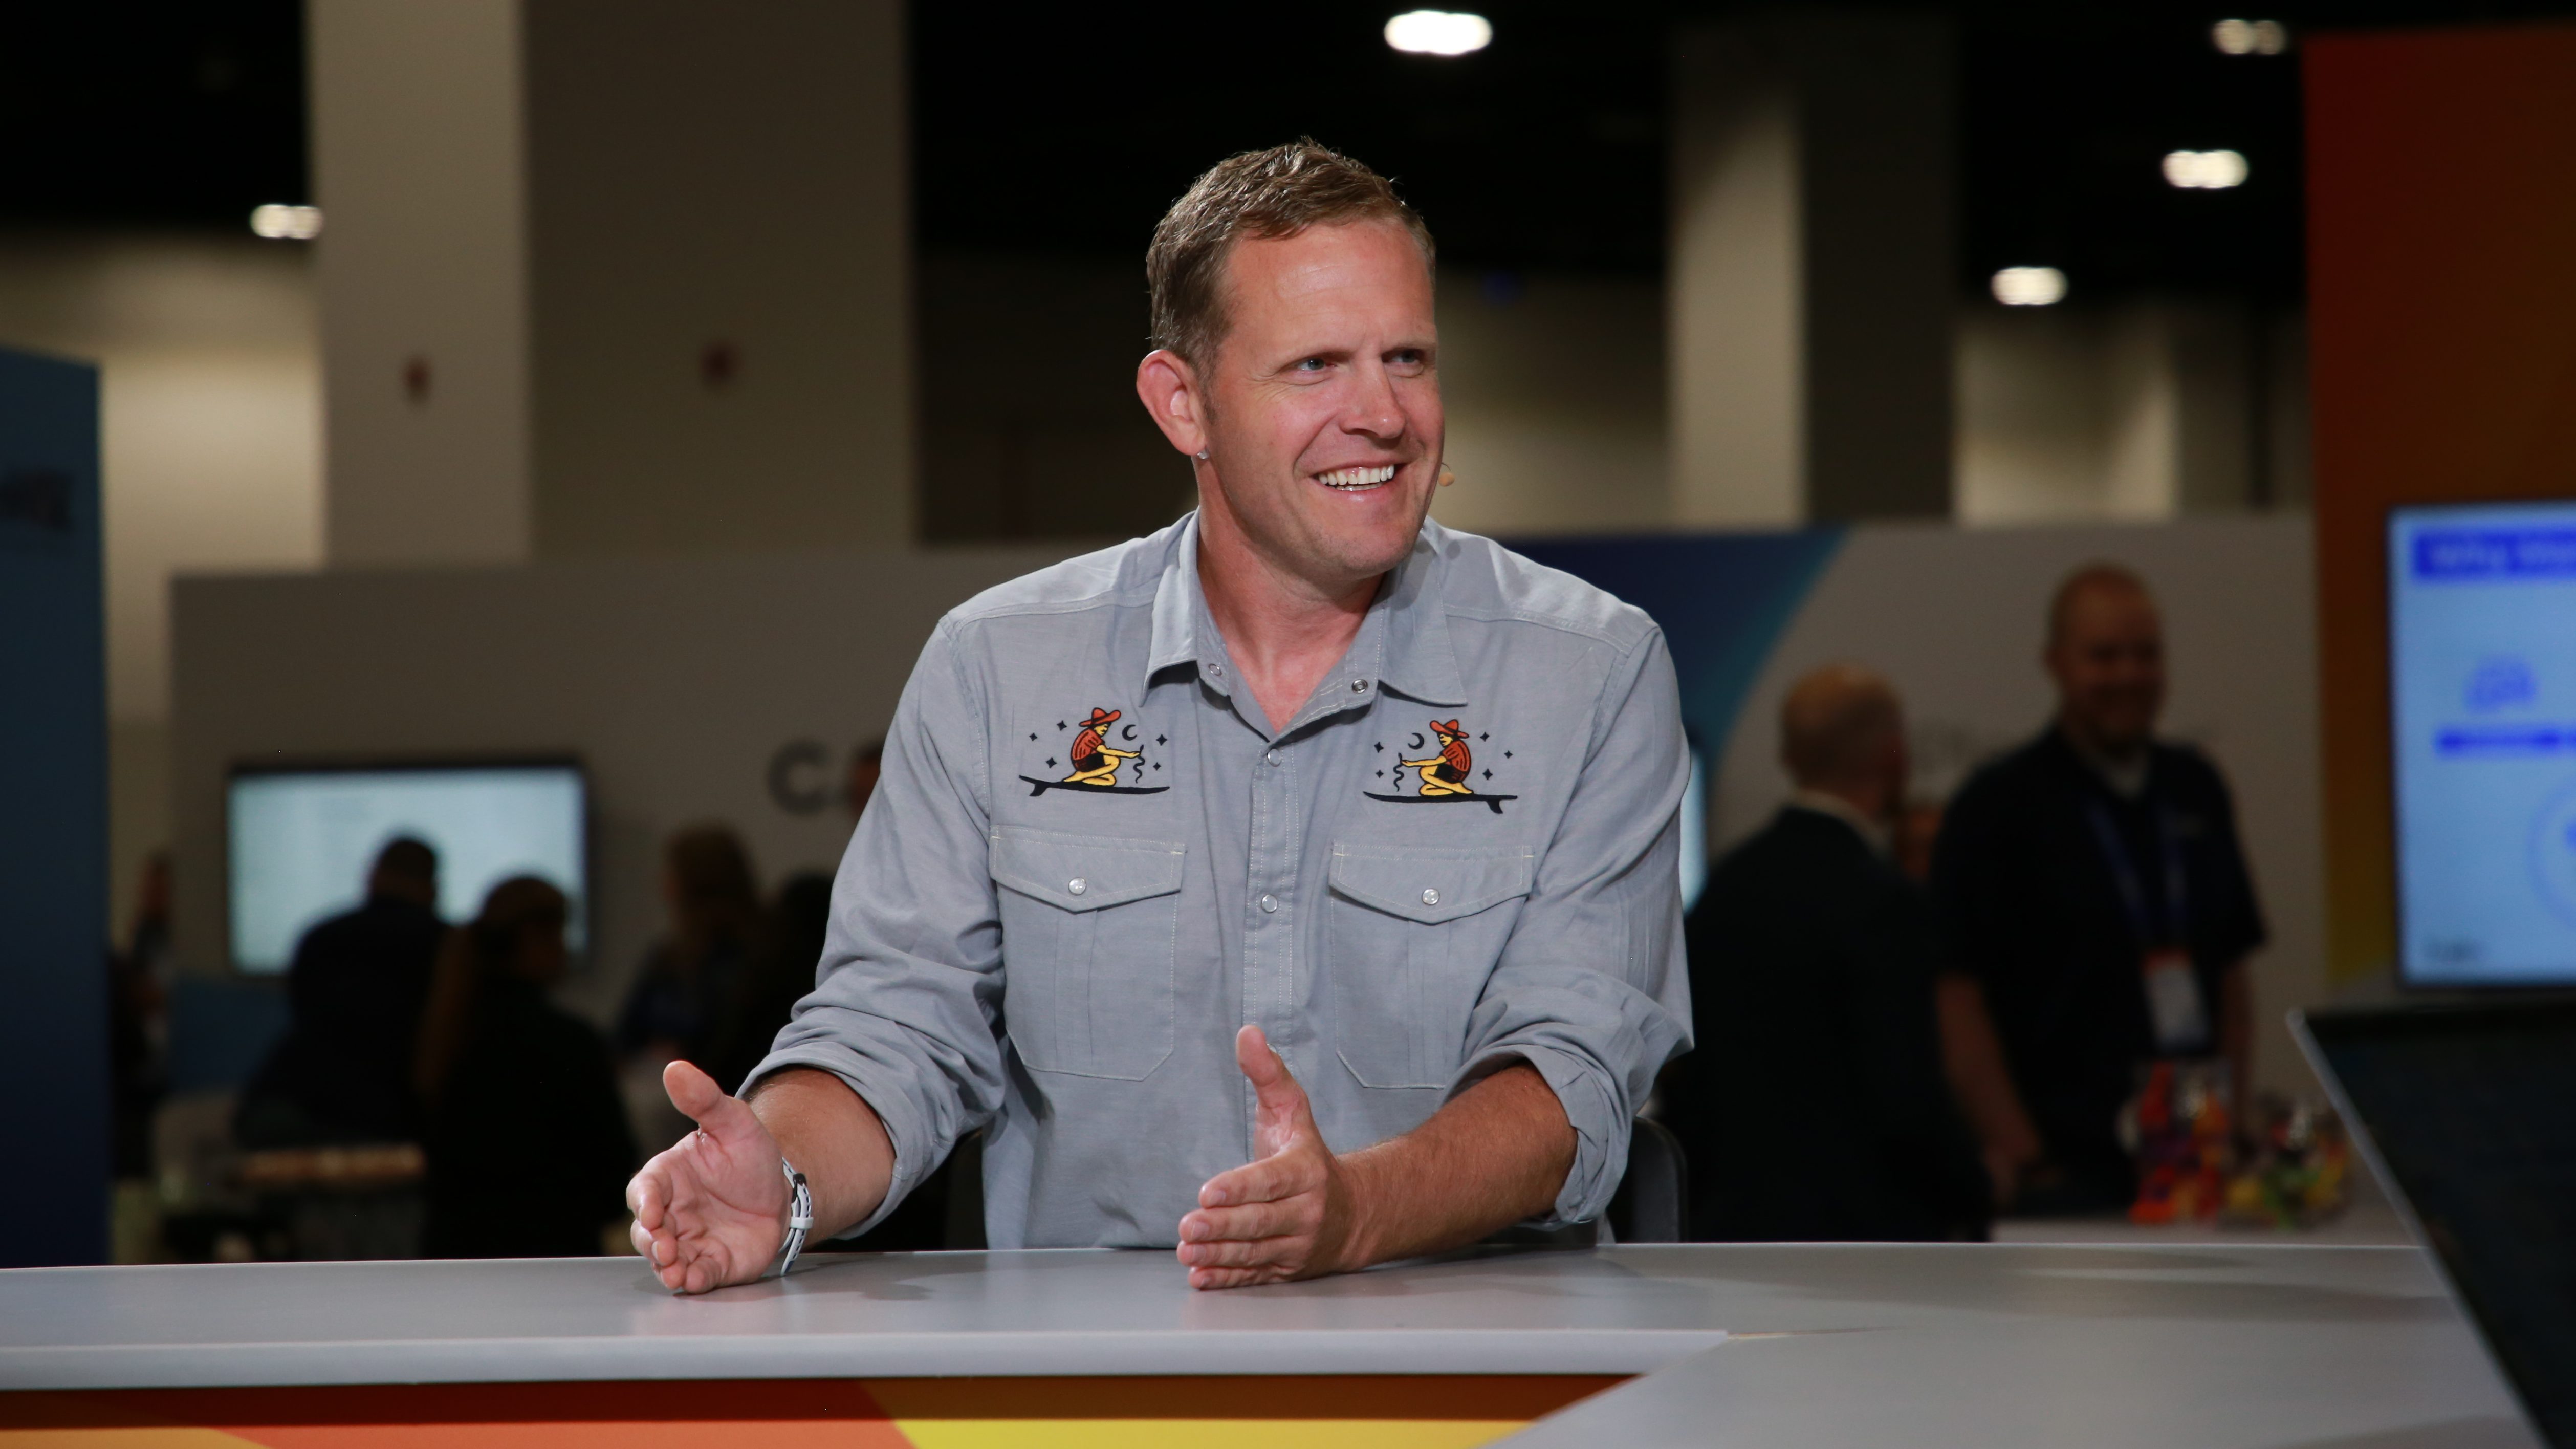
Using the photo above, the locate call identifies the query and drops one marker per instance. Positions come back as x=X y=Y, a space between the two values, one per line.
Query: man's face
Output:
x=2109 y=664
x=1325 y=441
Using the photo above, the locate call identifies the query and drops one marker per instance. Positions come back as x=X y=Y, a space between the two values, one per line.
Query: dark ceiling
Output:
x=1066 y=129
x=150 y=111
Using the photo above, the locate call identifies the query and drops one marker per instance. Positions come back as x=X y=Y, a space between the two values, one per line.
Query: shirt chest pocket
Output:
x=1088 y=924
x=1411 y=934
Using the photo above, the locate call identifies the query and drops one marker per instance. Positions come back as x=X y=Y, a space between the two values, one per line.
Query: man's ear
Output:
x=1169 y=389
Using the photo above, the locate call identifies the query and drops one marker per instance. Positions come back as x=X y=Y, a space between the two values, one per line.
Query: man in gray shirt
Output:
x=1294 y=888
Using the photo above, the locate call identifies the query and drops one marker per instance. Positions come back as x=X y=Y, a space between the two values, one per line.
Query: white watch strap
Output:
x=800 y=1216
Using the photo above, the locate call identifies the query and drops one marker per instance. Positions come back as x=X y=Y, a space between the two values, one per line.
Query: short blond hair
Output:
x=1265 y=195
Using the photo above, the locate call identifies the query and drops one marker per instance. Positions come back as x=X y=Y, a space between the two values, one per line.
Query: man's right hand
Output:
x=713 y=1209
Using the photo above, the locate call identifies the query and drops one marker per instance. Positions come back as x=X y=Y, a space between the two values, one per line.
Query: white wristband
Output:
x=800 y=1216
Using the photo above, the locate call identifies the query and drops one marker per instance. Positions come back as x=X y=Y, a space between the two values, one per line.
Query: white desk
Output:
x=2255 y=1345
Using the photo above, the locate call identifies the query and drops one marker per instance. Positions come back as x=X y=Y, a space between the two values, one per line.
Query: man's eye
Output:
x=1409 y=357
x=1313 y=364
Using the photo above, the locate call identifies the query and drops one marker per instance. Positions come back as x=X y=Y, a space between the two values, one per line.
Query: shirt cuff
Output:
x=1600 y=1127
x=905 y=1128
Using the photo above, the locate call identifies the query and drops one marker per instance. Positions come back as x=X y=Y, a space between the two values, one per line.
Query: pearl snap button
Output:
x=1359 y=686
x=1077 y=885
x=1431 y=898
x=1269 y=903
x=1272 y=757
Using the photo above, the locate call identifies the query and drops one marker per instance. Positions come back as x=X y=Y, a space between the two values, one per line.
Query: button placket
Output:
x=1270 y=933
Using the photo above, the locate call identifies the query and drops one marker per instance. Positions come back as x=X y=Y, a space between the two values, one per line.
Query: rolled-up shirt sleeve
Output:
x=1592 y=990
x=909 y=989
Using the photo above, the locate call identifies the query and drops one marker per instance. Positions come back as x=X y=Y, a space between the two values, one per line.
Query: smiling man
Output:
x=1295 y=888
x=2097 y=909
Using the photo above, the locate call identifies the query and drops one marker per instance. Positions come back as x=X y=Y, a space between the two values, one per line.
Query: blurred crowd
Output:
x=1911 y=1016
x=1909 y=1020
x=428 y=1095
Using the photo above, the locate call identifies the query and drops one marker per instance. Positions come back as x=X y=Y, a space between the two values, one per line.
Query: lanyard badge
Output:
x=2175 y=1011
x=2174 y=1006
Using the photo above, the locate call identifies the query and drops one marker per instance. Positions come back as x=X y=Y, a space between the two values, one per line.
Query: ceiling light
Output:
x=2030 y=286
x=2205 y=170
x=1439 y=32
x=2250 y=37
x=287 y=223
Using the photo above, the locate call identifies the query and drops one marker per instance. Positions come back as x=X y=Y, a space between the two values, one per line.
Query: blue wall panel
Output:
x=53 y=816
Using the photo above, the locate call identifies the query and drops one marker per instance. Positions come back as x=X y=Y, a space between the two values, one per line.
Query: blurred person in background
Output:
x=138 y=1019
x=2096 y=909
x=1814 y=1108
x=342 y=1073
x=778 y=970
x=526 y=1140
x=691 y=978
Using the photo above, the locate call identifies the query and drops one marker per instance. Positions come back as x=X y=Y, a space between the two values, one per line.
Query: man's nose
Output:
x=1372 y=407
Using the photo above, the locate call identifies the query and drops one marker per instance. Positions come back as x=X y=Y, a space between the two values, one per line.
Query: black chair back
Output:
x=1653 y=1201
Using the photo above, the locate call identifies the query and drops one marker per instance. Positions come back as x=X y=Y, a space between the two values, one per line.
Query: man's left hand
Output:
x=1292 y=1211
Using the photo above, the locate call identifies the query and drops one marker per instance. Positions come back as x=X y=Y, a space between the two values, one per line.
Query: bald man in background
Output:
x=1815 y=1109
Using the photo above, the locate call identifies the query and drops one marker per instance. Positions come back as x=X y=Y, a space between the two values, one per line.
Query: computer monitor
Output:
x=2482 y=673
x=301 y=841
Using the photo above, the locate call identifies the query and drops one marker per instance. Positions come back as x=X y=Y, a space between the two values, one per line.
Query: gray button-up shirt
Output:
x=1090 y=860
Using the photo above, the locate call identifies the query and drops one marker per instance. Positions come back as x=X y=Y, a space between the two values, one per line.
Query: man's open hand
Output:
x=1288 y=1213
x=713 y=1209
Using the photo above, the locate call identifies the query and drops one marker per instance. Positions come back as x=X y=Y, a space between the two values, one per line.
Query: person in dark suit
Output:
x=342 y=1073
x=1814 y=1108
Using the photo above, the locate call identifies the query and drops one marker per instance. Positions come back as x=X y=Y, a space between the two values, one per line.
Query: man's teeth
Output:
x=1356 y=477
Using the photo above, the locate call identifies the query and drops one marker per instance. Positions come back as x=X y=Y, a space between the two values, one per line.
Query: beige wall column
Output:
x=613 y=277
x=1809 y=270
x=419 y=167
x=720 y=209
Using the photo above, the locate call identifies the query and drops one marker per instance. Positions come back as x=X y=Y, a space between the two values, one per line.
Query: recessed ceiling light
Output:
x=2250 y=37
x=287 y=223
x=2030 y=286
x=1439 y=32
x=2205 y=170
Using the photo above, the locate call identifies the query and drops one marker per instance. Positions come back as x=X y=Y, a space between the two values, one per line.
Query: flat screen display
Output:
x=302 y=842
x=2482 y=665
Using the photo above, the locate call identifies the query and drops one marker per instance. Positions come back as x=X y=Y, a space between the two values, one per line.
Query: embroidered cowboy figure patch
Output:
x=1094 y=760
x=1446 y=775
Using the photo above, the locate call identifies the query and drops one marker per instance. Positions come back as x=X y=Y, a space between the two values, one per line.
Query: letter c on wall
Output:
x=793 y=777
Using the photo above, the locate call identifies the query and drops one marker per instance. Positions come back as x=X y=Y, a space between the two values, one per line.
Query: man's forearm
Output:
x=2236 y=1029
x=1973 y=1059
x=1496 y=1155
x=834 y=1138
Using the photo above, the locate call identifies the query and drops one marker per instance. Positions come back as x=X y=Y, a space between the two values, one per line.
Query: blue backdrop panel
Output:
x=1722 y=599
x=53 y=816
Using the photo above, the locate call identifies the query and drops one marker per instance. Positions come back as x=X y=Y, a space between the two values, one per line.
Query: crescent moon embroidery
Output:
x=1128 y=733
x=1417 y=739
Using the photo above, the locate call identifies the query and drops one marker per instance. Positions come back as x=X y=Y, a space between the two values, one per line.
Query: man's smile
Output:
x=1358 y=480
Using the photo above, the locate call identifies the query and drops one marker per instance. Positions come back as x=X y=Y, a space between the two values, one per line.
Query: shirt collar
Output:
x=2126 y=779
x=1873 y=834
x=1403 y=643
